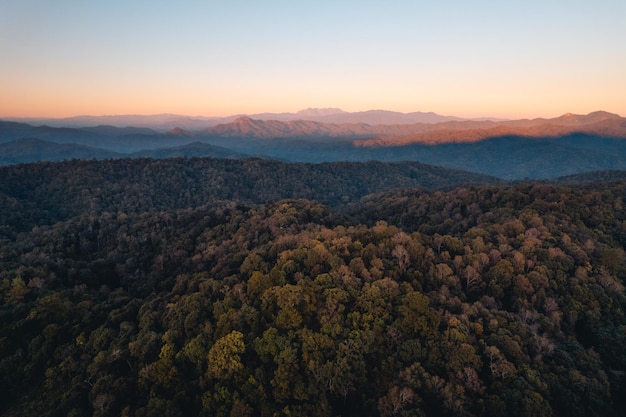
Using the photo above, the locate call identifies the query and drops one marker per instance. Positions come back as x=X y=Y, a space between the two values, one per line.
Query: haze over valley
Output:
x=509 y=149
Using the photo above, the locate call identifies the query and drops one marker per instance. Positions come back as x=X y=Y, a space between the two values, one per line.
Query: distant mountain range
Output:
x=513 y=149
x=35 y=150
x=597 y=123
x=165 y=122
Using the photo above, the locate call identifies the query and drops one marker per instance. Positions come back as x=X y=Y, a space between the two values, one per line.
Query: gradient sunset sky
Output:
x=215 y=58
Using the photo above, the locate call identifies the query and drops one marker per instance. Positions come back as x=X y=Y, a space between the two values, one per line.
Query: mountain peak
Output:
x=583 y=119
x=243 y=120
x=604 y=114
x=177 y=131
x=312 y=111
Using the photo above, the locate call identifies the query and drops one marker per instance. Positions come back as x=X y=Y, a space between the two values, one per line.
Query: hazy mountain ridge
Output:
x=606 y=176
x=165 y=122
x=191 y=150
x=123 y=140
x=111 y=130
x=568 y=119
x=264 y=129
x=601 y=123
x=402 y=129
x=34 y=150
x=597 y=123
x=538 y=148
x=162 y=122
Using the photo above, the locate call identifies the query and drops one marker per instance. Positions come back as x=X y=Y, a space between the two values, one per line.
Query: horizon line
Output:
x=339 y=111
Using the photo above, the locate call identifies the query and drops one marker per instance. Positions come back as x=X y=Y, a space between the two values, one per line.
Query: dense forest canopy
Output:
x=256 y=288
x=50 y=192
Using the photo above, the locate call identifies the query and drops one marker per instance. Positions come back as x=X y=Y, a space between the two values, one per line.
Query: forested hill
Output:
x=174 y=288
x=57 y=191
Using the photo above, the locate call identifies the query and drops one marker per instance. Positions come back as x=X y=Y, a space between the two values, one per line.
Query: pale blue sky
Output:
x=467 y=58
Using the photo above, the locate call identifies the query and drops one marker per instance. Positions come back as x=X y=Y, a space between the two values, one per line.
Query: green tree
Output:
x=224 y=357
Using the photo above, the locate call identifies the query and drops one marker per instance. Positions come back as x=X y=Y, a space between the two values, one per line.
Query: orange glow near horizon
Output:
x=62 y=107
x=455 y=58
x=40 y=101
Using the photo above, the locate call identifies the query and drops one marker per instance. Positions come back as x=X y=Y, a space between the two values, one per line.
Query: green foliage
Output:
x=224 y=356
x=491 y=300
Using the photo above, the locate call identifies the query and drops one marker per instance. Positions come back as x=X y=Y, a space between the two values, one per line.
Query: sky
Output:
x=504 y=58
